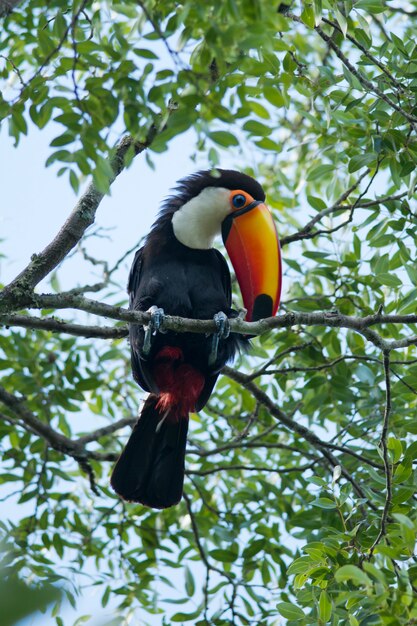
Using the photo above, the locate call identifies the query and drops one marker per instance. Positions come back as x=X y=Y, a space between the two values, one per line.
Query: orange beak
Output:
x=252 y=244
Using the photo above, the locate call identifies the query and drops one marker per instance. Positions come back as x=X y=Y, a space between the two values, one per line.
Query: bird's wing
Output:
x=134 y=275
x=225 y=275
x=140 y=368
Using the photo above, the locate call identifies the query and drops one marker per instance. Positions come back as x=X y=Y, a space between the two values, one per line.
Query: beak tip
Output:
x=263 y=306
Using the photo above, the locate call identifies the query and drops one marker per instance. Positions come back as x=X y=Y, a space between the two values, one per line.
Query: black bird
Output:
x=177 y=271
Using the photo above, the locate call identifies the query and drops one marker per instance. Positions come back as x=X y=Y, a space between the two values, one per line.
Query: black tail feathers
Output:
x=150 y=469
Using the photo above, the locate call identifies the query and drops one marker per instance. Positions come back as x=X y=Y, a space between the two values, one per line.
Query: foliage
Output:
x=300 y=495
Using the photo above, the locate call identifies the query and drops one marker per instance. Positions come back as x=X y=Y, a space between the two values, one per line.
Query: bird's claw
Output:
x=154 y=325
x=223 y=331
x=223 y=325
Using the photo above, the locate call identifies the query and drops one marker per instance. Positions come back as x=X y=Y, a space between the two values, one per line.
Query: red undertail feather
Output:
x=180 y=384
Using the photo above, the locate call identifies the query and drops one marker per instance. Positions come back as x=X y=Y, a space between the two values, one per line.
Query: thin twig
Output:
x=367 y=84
x=368 y=55
x=385 y=455
x=296 y=427
x=56 y=325
x=199 y=545
x=307 y=231
x=250 y=468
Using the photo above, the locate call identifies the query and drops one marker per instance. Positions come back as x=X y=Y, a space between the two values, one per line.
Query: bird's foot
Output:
x=223 y=331
x=154 y=325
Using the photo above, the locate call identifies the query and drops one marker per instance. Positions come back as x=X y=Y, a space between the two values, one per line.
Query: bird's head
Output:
x=231 y=203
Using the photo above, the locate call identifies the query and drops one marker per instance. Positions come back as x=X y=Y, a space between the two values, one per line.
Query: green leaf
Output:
x=74 y=182
x=404 y=520
x=411 y=451
x=325 y=606
x=324 y=503
x=371 y=6
x=224 y=138
x=145 y=53
x=18 y=601
x=256 y=128
x=60 y=25
x=55 y=282
x=320 y=171
x=290 y=611
x=268 y=144
x=186 y=617
x=361 y=160
x=341 y=20
x=19 y=121
x=307 y=16
x=395 y=447
x=189 y=582
x=390 y=280
x=274 y=96
x=353 y=573
x=318 y=9
x=301 y=565
x=105 y=597
x=225 y=556
x=316 y=203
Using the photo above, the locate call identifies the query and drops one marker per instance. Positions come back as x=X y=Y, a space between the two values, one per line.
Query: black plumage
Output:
x=187 y=282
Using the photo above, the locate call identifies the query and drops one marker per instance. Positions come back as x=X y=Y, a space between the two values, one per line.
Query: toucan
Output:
x=178 y=272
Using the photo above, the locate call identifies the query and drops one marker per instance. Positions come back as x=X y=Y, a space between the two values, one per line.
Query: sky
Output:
x=35 y=202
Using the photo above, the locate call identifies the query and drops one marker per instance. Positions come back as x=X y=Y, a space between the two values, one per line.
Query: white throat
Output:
x=197 y=222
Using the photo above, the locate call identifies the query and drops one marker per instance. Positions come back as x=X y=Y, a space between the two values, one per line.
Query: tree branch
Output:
x=71 y=25
x=34 y=424
x=385 y=455
x=55 y=325
x=322 y=446
x=250 y=468
x=367 y=84
x=307 y=231
x=72 y=447
x=366 y=53
x=95 y=435
x=199 y=544
x=332 y=319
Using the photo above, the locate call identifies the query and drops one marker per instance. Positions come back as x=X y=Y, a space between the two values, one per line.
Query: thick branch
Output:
x=34 y=424
x=332 y=319
x=179 y=324
x=72 y=447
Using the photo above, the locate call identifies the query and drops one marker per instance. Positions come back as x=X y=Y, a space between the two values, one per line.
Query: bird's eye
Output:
x=239 y=201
